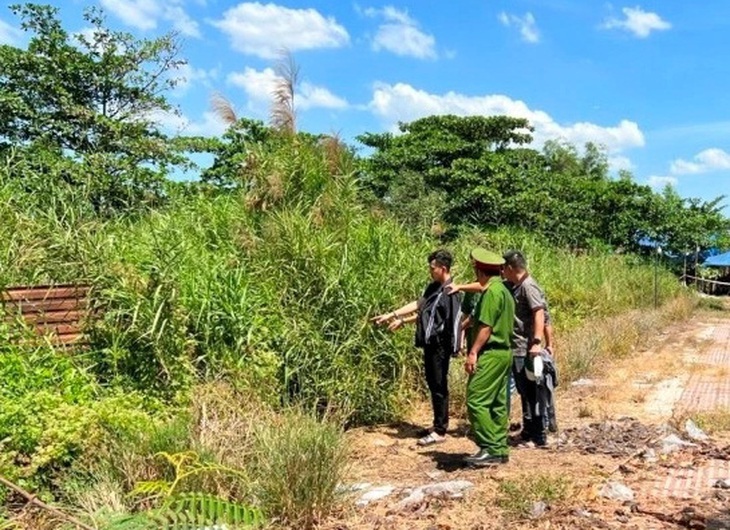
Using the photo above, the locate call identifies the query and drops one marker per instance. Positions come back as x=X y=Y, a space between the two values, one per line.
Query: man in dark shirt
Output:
x=437 y=318
x=529 y=335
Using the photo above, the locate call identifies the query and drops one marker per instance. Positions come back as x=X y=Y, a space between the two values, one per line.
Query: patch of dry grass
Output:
x=458 y=379
x=713 y=422
x=597 y=342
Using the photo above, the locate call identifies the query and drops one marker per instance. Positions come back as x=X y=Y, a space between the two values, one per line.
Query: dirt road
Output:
x=623 y=431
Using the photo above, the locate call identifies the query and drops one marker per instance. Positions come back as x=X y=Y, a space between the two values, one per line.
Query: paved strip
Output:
x=705 y=391
x=688 y=483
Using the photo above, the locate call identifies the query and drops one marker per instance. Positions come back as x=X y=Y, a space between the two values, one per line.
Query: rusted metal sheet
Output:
x=59 y=312
x=45 y=292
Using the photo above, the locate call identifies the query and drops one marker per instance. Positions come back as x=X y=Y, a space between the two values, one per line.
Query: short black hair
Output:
x=515 y=259
x=442 y=257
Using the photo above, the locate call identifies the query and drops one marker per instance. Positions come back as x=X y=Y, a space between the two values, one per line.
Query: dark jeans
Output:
x=534 y=416
x=436 y=361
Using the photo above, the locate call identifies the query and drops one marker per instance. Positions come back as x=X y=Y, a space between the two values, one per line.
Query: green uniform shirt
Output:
x=496 y=309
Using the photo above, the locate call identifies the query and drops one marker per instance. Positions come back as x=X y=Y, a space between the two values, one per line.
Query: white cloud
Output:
x=145 y=14
x=527 y=26
x=657 y=182
x=707 y=161
x=181 y=21
x=619 y=162
x=141 y=14
x=637 y=21
x=401 y=35
x=259 y=86
x=402 y=102
x=9 y=34
x=187 y=75
x=312 y=96
x=179 y=124
x=265 y=29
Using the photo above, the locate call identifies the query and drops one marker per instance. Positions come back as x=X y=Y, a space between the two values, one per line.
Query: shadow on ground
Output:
x=448 y=462
x=720 y=521
x=404 y=430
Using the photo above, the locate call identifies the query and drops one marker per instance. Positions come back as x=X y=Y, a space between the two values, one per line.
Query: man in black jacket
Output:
x=437 y=318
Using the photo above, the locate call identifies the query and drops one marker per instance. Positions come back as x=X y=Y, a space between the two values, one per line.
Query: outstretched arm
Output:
x=404 y=311
x=399 y=322
x=474 y=287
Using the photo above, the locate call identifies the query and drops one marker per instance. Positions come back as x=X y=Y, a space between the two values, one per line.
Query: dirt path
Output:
x=614 y=429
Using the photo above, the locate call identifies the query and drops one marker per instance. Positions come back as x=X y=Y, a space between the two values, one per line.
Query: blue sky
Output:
x=647 y=80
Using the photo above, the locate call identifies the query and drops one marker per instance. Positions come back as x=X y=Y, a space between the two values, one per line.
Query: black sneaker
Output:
x=482 y=458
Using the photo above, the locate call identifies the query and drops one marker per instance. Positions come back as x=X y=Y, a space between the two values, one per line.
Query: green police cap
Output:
x=486 y=258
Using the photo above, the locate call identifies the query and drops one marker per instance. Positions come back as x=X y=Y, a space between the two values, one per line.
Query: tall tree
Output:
x=479 y=170
x=93 y=98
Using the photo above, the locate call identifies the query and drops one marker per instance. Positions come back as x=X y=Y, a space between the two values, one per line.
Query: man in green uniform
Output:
x=489 y=360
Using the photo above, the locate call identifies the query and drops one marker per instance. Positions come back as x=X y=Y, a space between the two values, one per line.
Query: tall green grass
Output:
x=274 y=295
x=265 y=292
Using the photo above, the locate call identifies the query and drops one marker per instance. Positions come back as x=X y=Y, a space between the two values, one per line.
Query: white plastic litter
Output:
x=694 y=432
x=537 y=369
x=617 y=492
x=538 y=365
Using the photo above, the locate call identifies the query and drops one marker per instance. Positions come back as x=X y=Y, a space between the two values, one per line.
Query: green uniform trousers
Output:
x=486 y=401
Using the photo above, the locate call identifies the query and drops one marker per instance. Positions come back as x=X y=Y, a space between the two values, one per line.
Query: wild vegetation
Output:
x=231 y=343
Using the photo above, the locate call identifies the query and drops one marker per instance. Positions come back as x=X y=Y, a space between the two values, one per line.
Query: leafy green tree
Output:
x=432 y=145
x=480 y=171
x=92 y=99
x=685 y=225
x=233 y=152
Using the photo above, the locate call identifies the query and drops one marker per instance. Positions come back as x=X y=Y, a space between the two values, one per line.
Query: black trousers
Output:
x=534 y=414
x=436 y=361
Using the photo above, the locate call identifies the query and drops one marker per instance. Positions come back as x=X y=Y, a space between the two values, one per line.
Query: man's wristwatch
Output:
x=535 y=341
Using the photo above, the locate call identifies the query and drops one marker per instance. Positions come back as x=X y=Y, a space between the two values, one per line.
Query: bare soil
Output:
x=607 y=430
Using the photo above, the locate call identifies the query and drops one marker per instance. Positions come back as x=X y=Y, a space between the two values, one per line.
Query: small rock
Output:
x=433 y=475
x=673 y=443
x=580 y=512
x=381 y=443
x=723 y=484
x=583 y=382
x=538 y=509
x=694 y=432
x=617 y=492
x=415 y=498
x=374 y=494
x=352 y=488
x=649 y=455
x=452 y=489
